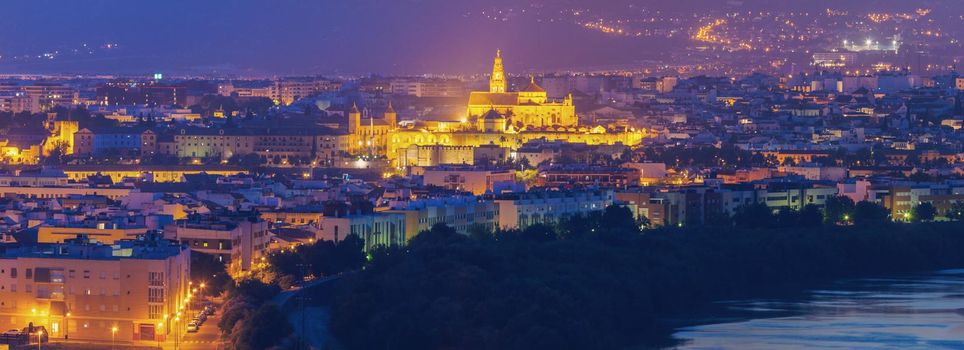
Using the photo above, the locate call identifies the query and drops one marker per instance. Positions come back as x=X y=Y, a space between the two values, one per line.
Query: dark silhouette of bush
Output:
x=838 y=209
x=870 y=214
x=264 y=328
x=924 y=212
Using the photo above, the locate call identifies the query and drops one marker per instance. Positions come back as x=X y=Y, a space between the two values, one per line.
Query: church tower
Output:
x=354 y=120
x=390 y=117
x=497 y=81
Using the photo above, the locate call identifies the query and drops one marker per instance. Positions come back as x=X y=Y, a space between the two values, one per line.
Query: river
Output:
x=920 y=311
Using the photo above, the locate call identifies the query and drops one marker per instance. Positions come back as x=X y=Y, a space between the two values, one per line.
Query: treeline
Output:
x=250 y=320
x=838 y=210
x=322 y=258
x=598 y=282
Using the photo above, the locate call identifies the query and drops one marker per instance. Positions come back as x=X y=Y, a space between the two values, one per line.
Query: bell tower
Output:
x=354 y=120
x=390 y=117
x=497 y=81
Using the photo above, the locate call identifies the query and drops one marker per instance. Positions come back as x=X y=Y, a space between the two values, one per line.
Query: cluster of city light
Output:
x=599 y=26
x=930 y=33
x=836 y=13
x=709 y=34
x=706 y=33
x=602 y=27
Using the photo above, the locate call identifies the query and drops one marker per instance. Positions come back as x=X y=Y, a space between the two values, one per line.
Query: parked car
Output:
x=193 y=327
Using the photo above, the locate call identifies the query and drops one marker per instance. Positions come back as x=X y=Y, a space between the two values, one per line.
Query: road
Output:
x=207 y=338
x=282 y=298
x=315 y=317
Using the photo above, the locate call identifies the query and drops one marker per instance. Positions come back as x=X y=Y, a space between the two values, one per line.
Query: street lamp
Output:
x=40 y=339
x=177 y=329
x=157 y=334
x=113 y=333
x=67 y=325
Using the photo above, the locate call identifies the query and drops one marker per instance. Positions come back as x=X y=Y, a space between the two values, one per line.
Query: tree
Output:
x=263 y=329
x=581 y=291
x=956 y=212
x=643 y=222
x=811 y=216
x=524 y=164
x=538 y=233
x=480 y=232
x=58 y=153
x=756 y=215
x=439 y=234
x=787 y=217
x=870 y=214
x=924 y=212
x=350 y=253
x=206 y=269
x=717 y=218
x=618 y=220
x=839 y=209
x=254 y=290
x=283 y=265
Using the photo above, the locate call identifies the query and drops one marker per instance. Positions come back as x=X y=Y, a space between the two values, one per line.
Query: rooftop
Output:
x=150 y=247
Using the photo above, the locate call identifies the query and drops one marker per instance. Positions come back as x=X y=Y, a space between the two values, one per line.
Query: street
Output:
x=207 y=337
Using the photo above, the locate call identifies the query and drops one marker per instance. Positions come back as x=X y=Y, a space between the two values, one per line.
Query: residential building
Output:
x=519 y=210
x=83 y=289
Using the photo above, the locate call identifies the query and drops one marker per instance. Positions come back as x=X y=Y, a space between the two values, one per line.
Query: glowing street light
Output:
x=113 y=335
x=67 y=325
x=157 y=334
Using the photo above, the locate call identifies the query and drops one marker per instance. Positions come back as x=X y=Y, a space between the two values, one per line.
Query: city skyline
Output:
x=254 y=39
x=481 y=174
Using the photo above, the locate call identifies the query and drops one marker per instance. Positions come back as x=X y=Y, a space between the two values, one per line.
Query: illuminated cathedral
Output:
x=527 y=108
x=497 y=118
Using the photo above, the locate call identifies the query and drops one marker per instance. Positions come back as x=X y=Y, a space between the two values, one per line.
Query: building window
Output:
x=155 y=295
x=154 y=311
x=155 y=279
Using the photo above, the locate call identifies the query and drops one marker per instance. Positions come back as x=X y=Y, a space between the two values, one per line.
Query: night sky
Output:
x=325 y=36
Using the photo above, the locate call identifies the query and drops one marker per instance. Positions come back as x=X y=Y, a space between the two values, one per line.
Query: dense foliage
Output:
x=596 y=283
x=322 y=258
x=205 y=268
x=250 y=320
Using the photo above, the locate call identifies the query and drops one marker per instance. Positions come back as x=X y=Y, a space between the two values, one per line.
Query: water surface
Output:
x=924 y=311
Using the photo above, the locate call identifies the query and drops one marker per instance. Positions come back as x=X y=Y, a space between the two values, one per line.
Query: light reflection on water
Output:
x=908 y=312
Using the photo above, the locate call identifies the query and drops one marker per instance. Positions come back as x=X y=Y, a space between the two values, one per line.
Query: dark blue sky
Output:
x=313 y=36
